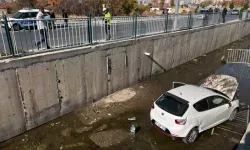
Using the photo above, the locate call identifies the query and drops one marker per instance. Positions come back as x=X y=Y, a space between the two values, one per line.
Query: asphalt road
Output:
x=77 y=33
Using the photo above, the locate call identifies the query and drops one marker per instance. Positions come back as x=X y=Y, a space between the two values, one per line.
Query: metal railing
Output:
x=238 y=56
x=22 y=36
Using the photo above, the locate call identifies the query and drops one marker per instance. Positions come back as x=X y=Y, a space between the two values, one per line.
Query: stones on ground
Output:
x=66 y=132
x=196 y=61
x=102 y=128
x=223 y=59
x=72 y=146
x=132 y=119
x=42 y=147
x=83 y=129
x=109 y=138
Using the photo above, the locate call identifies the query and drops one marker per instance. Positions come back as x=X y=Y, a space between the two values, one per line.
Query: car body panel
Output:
x=223 y=83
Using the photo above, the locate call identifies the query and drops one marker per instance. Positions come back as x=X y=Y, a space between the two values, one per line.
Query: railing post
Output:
x=90 y=29
x=190 y=21
x=10 y=43
x=135 y=24
x=166 y=23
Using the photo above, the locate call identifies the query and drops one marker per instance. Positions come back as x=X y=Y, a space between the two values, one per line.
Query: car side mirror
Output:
x=229 y=104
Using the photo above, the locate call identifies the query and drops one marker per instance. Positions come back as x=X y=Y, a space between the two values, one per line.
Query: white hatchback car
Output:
x=188 y=110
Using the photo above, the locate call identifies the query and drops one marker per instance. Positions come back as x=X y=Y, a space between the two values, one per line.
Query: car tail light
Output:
x=153 y=106
x=180 y=121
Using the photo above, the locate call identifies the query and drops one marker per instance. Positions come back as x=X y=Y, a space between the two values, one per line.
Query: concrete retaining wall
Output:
x=39 y=88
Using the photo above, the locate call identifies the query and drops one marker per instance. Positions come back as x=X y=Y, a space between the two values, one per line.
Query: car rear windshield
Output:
x=172 y=105
x=17 y=15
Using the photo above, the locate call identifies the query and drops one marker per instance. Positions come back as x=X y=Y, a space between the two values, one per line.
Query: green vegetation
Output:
x=231 y=6
x=172 y=3
x=162 y=2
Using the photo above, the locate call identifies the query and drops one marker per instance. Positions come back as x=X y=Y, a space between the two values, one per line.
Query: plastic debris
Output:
x=132 y=129
x=132 y=119
x=109 y=114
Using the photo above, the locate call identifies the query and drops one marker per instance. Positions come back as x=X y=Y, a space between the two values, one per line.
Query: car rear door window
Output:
x=34 y=14
x=26 y=15
x=172 y=105
x=216 y=101
x=202 y=105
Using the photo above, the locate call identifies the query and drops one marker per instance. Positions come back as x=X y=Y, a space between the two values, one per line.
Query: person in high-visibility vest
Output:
x=107 y=23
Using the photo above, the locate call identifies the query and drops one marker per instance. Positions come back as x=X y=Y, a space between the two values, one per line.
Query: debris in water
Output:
x=109 y=114
x=66 y=132
x=52 y=124
x=132 y=119
x=223 y=59
x=83 y=129
x=141 y=87
x=58 y=123
x=200 y=74
x=92 y=121
x=61 y=147
x=196 y=61
x=132 y=129
x=103 y=127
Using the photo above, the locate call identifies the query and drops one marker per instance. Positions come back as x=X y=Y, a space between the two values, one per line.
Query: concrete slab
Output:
x=11 y=114
x=178 y=40
x=133 y=69
x=169 y=51
x=119 y=73
x=209 y=41
x=198 y=44
x=185 y=49
x=96 y=76
x=159 y=56
x=71 y=83
x=145 y=61
x=192 y=47
x=38 y=84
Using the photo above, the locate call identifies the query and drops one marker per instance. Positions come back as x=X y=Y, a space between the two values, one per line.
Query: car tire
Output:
x=191 y=137
x=232 y=115
x=16 y=27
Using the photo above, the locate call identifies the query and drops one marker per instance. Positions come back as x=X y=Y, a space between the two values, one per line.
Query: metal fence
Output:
x=22 y=36
x=238 y=56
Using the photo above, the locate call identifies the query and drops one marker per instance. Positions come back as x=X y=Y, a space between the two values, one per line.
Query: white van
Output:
x=20 y=19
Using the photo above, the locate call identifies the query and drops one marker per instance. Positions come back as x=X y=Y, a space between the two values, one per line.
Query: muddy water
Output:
x=60 y=133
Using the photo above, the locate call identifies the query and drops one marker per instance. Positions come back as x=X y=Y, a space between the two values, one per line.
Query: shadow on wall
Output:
x=156 y=63
x=245 y=145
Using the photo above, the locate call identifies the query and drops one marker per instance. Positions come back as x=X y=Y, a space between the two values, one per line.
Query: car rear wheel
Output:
x=233 y=114
x=191 y=137
x=16 y=27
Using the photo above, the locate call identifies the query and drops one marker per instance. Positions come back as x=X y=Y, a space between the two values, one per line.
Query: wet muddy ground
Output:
x=105 y=124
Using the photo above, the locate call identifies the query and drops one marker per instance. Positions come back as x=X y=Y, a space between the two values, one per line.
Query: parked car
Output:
x=235 y=12
x=24 y=18
x=187 y=110
x=201 y=17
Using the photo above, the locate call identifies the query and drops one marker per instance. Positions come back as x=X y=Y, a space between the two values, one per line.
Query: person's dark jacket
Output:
x=224 y=11
x=64 y=14
x=52 y=15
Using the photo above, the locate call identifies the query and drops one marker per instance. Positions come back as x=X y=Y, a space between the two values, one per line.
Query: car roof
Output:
x=192 y=93
x=31 y=10
x=223 y=83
